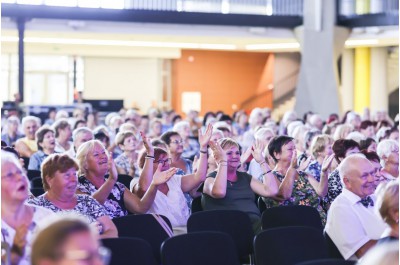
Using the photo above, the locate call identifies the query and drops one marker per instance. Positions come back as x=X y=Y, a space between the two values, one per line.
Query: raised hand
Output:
x=162 y=177
x=147 y=144
x=112 y=168
x=257 y=149
x=245 y=155
x=293 y=162
x=218 y=153
x=304 y=164
x=19 y=242
x=327 y=162
x=205 y=137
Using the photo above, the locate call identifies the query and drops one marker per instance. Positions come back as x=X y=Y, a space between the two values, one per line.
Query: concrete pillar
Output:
x=321 y=44
x=378 y=79
x=347 y=89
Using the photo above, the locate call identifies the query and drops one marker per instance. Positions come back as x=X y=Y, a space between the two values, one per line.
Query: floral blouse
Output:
x=86 y=206
x=334 y=189
x=314 y=169
x=114 y=205
x=303 y=194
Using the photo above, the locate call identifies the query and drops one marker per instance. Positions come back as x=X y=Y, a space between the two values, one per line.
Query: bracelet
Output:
x=203 y=152
x=266 y=173
x=149 y=157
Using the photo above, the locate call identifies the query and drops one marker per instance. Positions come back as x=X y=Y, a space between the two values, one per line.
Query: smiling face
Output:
x=14 y=183
x=232 y=156
x=97 y=161
x=30 y=128
x=49 y=142
x=361 y=178
x=287 y=152
x=129 y=144
x=64 y=183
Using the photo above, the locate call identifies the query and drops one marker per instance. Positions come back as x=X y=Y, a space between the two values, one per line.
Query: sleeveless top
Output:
x=30 y=143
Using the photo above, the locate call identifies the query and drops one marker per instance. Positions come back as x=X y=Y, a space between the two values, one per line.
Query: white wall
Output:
x=136 y=80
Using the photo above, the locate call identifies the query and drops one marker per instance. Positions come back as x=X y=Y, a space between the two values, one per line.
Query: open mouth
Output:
x=22 y=188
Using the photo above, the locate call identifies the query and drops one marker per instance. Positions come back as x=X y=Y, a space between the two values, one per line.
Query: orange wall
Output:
x=224 y=79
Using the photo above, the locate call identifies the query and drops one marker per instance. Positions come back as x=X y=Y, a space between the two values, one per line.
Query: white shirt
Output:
x=255 y=169
x=173 y=205
x=350 y=224
x=60 y=149
x=8 y=233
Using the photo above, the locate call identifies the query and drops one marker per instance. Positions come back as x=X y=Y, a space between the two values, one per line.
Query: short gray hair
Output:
x=386 y=147
x=81 y=130
x=260 y=134
x=30 y=118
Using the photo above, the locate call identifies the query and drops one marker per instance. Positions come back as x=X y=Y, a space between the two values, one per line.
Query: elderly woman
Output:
x=229 y=189
x=68 y=241
x=27 y=145
x=175 y=147
x=94 y=163
x=321 y=147
x=46 y=143
x=368 y=144
x=170 y=200
x=59 y=177
x=388 y=206
x=388 y=151
x=155 y=128
x=19 y=220
x=342 y=131
x=342 y=148
x=190 y=145
x=264 y=135
x=63 y=133
x=126 y=162
x=295 y=186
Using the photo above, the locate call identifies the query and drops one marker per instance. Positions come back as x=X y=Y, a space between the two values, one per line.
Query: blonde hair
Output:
x=83 y=151
x=340 y=131
x=318 y=144
x=228 y=142
x=388 y=195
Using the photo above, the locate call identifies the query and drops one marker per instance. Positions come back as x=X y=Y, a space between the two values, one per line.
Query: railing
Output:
x=350 y=8
x=248 y=7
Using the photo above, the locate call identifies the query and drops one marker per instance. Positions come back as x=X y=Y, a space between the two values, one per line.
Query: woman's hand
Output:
x=162 y=177
x=97 y=226
x=112 y=168
x=218 y=153
x=327 y=163
x=19 y=243
x=293 y=162
x=205 y=138
x=147 y=144
x=304 y=164
x=257 y=151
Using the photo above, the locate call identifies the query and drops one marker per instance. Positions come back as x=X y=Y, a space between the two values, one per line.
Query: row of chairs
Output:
x=280 y=245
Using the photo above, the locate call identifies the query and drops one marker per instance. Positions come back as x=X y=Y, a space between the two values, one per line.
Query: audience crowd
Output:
x=347 y=168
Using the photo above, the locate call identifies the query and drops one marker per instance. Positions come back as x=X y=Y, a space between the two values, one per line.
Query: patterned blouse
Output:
x=303 y=194
x=314 y=169
x=86 y=206
x=122 y=161
x=114 y=205
x=334 y=189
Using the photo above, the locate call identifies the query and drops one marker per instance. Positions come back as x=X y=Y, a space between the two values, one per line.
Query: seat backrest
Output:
x=133 y=251
x=333 y=251
x=37 y=191
x=328 y=262
x=36 y=182
x=296 y=215
x=143 y=226
x=196 y=205
x=261 y=205
x=237 y=224
x=33 y=173
x=199 y=248
x=289 y=245
x=125 y=179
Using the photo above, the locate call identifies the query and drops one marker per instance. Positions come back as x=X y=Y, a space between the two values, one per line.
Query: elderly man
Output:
x=11 y=135
x=79 y=136
x=388 y=152
x=27 y=145
x=353 y=225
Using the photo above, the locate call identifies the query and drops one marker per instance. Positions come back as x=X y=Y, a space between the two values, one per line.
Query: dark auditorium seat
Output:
x=143 y=226
x=132 y=251
x=261 y=204
x=196 y=205
x=36 y=182
x=333 y=251
x=237 y=224
x=296 y=215
x=328 y=262
x=289 y=245
x=34 y=174
x=125 y=179
x=199 y=248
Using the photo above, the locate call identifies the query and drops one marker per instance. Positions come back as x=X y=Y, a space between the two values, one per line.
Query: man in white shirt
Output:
x=353 y=225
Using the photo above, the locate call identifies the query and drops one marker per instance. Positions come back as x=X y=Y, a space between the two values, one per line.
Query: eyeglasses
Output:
x=168 y=161
x=177 y=142
x=102 y=253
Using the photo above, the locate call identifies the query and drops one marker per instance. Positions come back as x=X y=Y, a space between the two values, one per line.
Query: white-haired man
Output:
x=27 y=145
x=353 y=224
x=79 y=136
x=388 y=152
